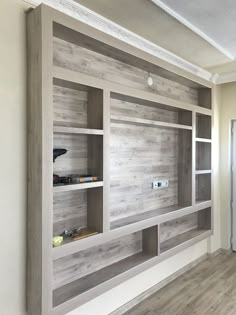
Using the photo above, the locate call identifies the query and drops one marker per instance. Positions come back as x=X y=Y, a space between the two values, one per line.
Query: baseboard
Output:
x=124 y=308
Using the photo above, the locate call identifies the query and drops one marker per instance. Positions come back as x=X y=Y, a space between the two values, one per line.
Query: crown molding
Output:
x=227 y=77
x=193 y=28
x=83 y=14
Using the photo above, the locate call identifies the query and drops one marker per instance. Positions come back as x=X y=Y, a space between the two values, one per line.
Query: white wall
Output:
x=228 y=113
x=13 y=185
x=13 y=157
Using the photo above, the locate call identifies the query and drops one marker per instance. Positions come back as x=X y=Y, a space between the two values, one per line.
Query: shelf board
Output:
x=71 y=187
x=180 y=239
x=199 y=202
x=202 y=172
x=75 y=130
x=148 y=123
x=75 y=288
x=203 y=140
x=143 y=216
x=81 y=78
x=150 y=219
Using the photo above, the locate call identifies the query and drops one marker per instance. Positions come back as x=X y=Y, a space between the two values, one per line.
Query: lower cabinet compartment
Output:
x=179 y=231
x=78 y=273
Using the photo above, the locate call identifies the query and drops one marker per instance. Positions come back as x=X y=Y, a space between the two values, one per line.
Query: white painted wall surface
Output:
x=227 y=114
x=13 y=187
x=12 y=157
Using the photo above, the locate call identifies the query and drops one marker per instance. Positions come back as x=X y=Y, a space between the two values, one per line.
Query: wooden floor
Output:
x=208 y=288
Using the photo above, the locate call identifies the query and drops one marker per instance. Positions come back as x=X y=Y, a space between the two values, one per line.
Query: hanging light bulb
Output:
x=150 y=80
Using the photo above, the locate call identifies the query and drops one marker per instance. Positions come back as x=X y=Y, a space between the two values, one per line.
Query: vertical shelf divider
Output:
x=193 y=158
x=106 y=159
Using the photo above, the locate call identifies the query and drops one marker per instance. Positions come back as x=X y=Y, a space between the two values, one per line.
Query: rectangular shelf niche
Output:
x=78 y=273
x=141 y=154
x=203 y=187
x=203 y=126
x=78 y=121
x=178 y=231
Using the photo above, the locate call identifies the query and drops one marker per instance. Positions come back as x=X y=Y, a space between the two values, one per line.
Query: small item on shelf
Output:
x=82 y=233
x=61 y=180
x=57 y=153
x=57 y=240
x=78 y=233
x=78 y=179
x=66 y=233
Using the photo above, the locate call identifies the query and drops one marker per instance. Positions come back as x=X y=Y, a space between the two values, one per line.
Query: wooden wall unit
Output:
x=88 y=93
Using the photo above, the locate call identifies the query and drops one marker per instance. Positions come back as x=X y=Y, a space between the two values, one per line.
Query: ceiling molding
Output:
x=226 y=77
x=83 y=14
x=193 y=28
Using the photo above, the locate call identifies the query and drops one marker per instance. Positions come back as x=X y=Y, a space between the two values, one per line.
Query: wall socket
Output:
x=159 y=184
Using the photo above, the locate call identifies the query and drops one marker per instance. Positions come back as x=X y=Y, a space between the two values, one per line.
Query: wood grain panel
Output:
x=80 y=59
x=140 y=155
x=203 y=126
x=70 y=106
x=203 y=156
x=75 y=161
x=88 y=261
x=173 y=228
x=122 y=107
x=69 y=210
x=203 y=187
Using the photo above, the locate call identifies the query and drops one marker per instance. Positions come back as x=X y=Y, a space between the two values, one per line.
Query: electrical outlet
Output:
x=159 y=184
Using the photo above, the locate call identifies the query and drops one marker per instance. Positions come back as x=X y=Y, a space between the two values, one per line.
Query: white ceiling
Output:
x=153 y=23
x=215 y=19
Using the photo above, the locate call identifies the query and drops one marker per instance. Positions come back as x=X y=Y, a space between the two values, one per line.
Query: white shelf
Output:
x=61 y=188
x=148 y=123
x=202 y=172
x=203 y=140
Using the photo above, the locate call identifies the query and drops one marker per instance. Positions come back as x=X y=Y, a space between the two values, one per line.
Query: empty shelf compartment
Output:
x=179 y=231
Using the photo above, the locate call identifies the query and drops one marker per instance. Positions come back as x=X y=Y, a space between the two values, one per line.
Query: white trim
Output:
x=97 y=21
x=193 y=28
x=226 y=77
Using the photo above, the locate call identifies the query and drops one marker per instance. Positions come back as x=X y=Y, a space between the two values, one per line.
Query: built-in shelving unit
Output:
x=88 y=94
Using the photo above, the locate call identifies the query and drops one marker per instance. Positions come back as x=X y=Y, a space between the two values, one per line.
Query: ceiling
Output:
x=152 y=22
x=214 y=18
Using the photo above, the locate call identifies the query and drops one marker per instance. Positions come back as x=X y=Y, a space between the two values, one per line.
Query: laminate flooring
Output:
x=208 y=288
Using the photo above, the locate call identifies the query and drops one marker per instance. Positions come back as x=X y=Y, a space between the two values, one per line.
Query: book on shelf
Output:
x=78 y=179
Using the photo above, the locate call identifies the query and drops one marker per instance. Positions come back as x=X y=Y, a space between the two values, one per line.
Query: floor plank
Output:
x=209 y=288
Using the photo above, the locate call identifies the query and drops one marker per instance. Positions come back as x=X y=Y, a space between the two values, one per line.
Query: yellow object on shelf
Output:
x=57 y=240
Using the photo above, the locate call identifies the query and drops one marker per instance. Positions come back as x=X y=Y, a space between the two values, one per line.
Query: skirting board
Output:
x=124 y=308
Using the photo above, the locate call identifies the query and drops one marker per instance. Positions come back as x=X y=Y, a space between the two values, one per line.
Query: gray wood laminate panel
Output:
x=80 y=59
x=203 y=126
x=69 y=210
x=208 y=288
x=171 y=229
x=73 y=77
x=203 y=187
x=108 y=45
x=74 y=247
x=78 y=265
x=80 y=286
x=205 y=98
x=40 y=113
x=70 y=106
x=135 y=108
x=203 y=156
x=179 y=239
x=143 y=216
x=138 y=156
